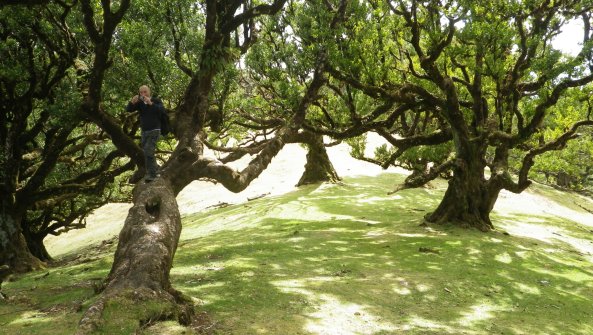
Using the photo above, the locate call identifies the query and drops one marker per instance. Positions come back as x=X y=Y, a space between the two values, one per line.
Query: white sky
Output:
x=570 y=40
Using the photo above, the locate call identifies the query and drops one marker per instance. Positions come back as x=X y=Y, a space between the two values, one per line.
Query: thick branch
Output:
x=252 y=13
x=529 y=159
x=23 y=2
x=419 y=180
x=120 y=139
x=540 y=111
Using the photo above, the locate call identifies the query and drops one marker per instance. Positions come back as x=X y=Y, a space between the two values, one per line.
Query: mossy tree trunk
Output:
x=14 y=251
x=318 y=168
x=143 y=259
x=469 y=198
x=35 y=244
x=148 y=240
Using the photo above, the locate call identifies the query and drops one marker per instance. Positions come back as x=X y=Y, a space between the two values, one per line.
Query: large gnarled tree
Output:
x=55 y=166
x=148 y=241
x=476 y=77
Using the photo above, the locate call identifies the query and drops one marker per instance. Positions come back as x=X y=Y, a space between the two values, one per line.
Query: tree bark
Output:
x=144 y=257
x=35 y=244
x=563 y=179
x=13 y=247
x=153 y=227
x=318 y=168
x=469 y=198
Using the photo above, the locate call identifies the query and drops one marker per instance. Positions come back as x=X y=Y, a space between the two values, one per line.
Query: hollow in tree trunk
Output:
x=318 y=167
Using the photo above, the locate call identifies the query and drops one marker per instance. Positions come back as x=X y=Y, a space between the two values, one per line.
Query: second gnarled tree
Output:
x=455 y=87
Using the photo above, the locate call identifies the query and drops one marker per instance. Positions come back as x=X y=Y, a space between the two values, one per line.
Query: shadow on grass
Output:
x=347 y=259
x=51 y=301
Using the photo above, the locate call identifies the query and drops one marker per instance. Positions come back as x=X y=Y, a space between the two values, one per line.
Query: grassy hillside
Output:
x=348 y=259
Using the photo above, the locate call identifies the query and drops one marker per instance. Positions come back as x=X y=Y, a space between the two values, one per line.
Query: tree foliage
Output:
x=57 y=167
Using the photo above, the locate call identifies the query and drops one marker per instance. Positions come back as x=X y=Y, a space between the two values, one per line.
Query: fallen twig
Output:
x=258 y=196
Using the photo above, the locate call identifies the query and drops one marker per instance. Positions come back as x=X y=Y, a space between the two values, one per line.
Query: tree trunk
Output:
x=318 y=167
x=36 y=246
x=468 y=200
x=144 y=257
x=563 y=179
x=13 y=247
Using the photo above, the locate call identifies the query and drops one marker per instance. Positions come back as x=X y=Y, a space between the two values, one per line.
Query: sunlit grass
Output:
x=319 y=253
x=106 y=223
x=349 y=259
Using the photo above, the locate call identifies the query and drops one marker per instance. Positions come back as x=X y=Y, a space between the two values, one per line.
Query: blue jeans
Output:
x=149 y=139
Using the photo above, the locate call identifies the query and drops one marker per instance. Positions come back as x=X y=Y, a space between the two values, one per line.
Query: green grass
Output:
x=346 y=259
x=51 y=301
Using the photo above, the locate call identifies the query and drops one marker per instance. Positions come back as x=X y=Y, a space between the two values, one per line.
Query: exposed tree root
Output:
x=464 y=220
x=142 y=307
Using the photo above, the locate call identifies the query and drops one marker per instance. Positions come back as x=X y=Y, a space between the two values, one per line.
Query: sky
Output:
x=570 y=40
